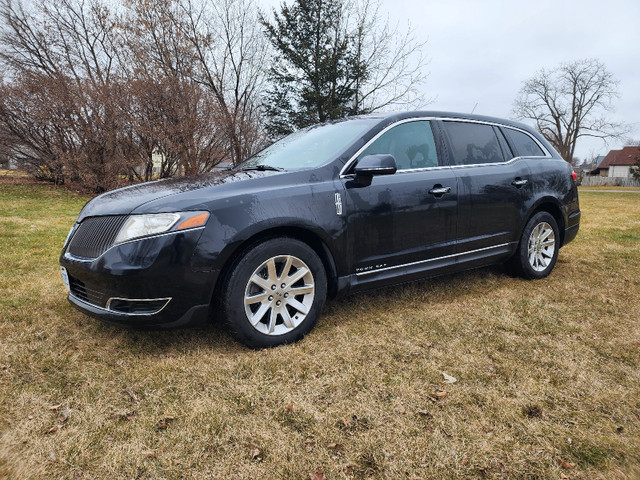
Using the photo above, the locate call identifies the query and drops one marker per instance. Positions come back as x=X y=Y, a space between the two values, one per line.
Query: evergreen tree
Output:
x=316 y=69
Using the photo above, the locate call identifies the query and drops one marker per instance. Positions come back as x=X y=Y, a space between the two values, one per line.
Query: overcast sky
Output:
x=482 y=50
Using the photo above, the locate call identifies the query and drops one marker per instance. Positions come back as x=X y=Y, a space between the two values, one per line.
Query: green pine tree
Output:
x=317 y=68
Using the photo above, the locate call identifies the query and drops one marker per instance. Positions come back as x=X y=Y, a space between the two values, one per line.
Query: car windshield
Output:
x=309 y=147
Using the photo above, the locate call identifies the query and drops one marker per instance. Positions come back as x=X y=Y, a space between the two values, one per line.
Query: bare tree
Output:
x=91 y=92
x=59 y=104
x=394 y=59
x=336 y=58
x=5 y=145
x=228 y=49
x=172 y=115
x=570 y=102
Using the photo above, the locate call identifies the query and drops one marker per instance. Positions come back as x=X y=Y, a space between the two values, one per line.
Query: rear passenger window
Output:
x=411 y=144
x=473 y=143
x=524 y=145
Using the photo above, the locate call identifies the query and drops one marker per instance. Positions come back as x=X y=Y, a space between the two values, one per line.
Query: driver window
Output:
x=411 y=144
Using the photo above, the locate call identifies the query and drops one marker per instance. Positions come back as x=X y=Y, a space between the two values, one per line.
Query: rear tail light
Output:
x=574 y=175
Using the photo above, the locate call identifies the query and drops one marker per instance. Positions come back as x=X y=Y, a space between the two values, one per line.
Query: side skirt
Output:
x=432 y=267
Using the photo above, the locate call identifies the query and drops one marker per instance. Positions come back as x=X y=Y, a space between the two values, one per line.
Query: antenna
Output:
x=474 y=107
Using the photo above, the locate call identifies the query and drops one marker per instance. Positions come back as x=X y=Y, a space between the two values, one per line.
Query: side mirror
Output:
x=380 y=164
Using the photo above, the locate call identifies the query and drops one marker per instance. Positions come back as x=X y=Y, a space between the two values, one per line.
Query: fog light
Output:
x=137 y=306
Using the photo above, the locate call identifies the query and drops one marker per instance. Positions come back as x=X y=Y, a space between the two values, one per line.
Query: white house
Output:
x=618 y=163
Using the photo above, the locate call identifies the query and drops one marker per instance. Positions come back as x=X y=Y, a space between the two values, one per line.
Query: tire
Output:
x=537 y=251
x=274 y=293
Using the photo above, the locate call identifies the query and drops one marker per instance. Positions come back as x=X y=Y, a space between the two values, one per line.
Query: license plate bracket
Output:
x=65 y=278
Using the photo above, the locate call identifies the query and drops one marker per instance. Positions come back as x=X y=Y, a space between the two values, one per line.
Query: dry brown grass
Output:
x=15 y=177
x=608 y=187
x=548 y=372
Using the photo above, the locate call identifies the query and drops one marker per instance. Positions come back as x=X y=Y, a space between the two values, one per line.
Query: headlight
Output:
x=138 y=226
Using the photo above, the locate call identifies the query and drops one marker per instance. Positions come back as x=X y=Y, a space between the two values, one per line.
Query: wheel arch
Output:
x=299 y=233
x=551 y=206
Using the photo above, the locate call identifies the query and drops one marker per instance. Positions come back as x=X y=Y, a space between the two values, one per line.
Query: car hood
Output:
x=125 y=200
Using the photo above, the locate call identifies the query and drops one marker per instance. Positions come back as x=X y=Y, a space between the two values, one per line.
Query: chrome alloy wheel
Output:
x=279 y=295
x=542 y=245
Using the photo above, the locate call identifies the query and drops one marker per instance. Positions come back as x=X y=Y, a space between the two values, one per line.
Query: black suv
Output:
x=332 y=209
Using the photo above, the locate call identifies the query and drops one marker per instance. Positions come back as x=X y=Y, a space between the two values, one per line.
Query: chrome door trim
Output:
x=432 y=259
x=352 y=160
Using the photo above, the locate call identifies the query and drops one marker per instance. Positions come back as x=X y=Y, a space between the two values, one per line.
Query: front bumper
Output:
x=196 y=315
x=144 y=283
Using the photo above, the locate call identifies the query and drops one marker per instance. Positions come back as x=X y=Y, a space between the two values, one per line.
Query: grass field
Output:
x=609 y=187
x=548 y=373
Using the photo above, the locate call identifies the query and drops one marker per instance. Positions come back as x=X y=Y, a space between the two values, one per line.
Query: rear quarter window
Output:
x=524 y=145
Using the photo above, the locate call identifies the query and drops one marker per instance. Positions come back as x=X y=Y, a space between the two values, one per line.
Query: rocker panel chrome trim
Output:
x=432 y=259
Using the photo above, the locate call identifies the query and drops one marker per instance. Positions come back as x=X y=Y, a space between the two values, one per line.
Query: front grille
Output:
x=95 y=235
x=80 y=290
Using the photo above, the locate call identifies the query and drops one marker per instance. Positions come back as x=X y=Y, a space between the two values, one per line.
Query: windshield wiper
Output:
x=261 y=167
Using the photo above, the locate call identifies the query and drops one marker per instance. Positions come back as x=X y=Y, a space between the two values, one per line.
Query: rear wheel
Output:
x=274 y=293
x=538 y=248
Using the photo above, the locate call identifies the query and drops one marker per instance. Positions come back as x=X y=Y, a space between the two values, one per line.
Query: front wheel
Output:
x=538 y=248
x=274 y=293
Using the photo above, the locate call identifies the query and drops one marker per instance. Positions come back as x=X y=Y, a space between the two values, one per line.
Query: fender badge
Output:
x=338 y=198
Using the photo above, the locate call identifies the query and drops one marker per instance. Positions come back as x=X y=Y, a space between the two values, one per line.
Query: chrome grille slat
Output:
x=95 y=235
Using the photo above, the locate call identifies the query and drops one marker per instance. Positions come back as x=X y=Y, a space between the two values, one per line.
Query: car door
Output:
x=492 y=188
x=402 y=221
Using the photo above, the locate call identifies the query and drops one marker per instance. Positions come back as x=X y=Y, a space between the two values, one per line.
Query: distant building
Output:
x=587 y=167
x=8 y=163
x=618 y=163
x=157 y=157
x=598 y=160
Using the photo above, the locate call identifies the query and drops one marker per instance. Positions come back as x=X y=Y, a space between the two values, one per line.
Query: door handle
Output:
x=519 y=182
x=439 y=190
